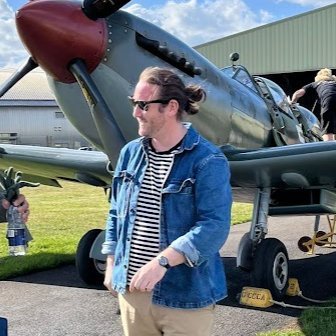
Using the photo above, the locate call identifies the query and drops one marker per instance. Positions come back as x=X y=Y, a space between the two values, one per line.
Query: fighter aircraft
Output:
x=93 y=54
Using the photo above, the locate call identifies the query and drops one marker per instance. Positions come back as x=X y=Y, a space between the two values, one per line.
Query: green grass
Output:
x=312 y=322
x=319 y=322
x=241 y=213
x=59 y=218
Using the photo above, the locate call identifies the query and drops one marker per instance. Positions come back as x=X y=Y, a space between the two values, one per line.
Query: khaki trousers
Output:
x=142 y=318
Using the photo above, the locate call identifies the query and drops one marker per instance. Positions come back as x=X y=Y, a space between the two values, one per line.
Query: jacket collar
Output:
x=190 y=140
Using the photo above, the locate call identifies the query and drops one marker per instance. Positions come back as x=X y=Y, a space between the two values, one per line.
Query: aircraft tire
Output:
x=270 y=267
x=91 y=271
x=302 y=244
x=321 y=242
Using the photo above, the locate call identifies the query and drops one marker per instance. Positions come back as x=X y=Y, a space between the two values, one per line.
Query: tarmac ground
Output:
x=57 y=303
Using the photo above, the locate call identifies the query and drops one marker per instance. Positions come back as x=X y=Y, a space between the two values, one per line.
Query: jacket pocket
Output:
x=185 y=187
x=179 y=207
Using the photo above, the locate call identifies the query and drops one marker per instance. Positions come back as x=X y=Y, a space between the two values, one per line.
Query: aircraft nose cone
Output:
x=57 y=32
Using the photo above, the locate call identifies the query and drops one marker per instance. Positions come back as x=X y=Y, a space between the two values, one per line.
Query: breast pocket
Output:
x=124 y=182
x=179 y=207
x=185 y=187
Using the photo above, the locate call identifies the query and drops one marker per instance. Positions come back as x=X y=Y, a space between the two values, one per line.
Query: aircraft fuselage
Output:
x=115 y=51
x=231 y=113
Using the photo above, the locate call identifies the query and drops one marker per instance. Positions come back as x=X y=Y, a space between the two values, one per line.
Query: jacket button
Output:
x=125 y=266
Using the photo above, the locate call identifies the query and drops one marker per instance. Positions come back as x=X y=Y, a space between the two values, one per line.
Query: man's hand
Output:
x=21 y=204
x=147 y=276
x=108 y=275
x=150 y=274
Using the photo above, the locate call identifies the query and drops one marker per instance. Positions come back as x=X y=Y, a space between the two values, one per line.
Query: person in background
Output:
x=324 y=88
x=169 y=216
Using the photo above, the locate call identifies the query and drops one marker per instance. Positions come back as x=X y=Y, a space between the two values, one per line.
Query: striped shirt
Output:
x=146 y=231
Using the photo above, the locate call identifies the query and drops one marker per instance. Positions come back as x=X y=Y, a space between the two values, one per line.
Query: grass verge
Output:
x=59 y=218
x=313 y=322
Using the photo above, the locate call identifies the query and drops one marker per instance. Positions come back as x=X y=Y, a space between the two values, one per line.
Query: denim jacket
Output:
x=195 y=220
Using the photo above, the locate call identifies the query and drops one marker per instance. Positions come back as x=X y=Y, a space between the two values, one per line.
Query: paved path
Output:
x=57 y=303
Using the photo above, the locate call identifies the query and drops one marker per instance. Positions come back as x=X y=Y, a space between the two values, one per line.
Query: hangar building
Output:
x=289 y=51
x=29 y=115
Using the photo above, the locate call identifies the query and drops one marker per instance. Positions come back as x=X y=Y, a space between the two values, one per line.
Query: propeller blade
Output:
x=21 y=72
x=111 y=136
x=95 y=9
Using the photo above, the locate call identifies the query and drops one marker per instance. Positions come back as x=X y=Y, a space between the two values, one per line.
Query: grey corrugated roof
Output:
x=34 y=86
x=267 y=25
x=299 y=43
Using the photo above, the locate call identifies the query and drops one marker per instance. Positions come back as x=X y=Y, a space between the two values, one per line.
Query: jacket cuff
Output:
x=184 y=246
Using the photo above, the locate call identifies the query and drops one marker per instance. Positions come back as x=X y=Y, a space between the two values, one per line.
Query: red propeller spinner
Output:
x=57 y=32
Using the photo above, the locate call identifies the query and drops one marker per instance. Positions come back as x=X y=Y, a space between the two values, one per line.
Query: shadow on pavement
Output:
x=61 y=276
x=316 y=275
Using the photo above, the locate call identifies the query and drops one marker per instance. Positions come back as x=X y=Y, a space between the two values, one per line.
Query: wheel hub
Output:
x=280 y=271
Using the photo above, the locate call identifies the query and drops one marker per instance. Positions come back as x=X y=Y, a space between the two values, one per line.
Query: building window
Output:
x=8 y=138
x=61 y=145
x=59 y=115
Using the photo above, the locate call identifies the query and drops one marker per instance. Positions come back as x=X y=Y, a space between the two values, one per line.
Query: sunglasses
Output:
x=143 y=104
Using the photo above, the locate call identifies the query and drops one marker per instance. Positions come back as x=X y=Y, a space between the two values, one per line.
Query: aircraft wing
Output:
x=303 y=166
x=48 y=165
x=302 y=175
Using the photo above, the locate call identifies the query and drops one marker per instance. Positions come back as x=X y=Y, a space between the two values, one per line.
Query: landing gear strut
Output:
x=265 y=259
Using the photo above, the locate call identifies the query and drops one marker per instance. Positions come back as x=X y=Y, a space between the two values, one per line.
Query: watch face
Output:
x=163 y=261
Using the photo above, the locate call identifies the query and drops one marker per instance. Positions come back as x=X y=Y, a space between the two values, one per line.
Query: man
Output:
x=324 y=88
x=169 y=216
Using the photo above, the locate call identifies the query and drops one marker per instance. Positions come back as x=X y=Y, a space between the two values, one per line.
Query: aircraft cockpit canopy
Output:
x=241 y=75
x=278 y=95
x=264 y=87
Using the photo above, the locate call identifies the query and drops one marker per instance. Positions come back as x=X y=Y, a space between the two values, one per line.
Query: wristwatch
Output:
x=163 y=261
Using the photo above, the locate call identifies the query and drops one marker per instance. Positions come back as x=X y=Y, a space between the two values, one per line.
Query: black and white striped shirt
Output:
x=146 y=231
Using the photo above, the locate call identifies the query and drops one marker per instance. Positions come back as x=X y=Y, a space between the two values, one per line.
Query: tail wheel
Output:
x=270 y=267
x=302 y=244
x=90 y=270
x=321 y=242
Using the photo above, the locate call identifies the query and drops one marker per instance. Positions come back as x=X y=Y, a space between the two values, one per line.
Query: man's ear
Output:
x=173 y=107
